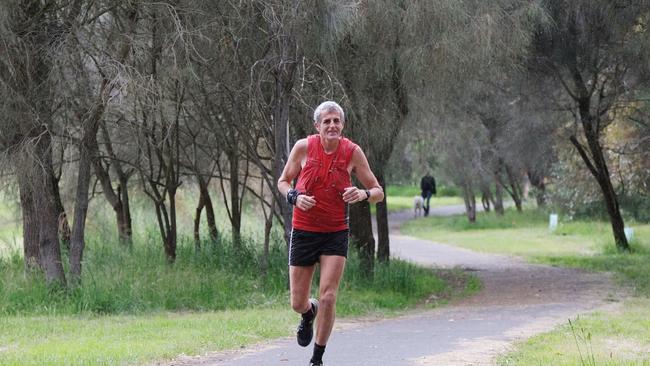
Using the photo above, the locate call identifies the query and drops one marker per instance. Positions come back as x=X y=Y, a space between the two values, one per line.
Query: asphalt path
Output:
x=517 y=301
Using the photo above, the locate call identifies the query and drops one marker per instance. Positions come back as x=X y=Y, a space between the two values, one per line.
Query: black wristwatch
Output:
x=292 y=196
x=367 y=195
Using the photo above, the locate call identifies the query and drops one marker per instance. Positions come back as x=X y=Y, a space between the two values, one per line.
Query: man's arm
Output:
x=361 y=169
x=291 y=170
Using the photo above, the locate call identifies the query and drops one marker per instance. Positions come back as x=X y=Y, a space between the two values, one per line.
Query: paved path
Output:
x=518 y=300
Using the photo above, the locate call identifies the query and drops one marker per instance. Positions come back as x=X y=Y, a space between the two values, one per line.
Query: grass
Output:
x=579 y=244
x=597 y=339
x=128 y=339
x=139 y=280
x=139 y=314
x=524 y=234
x=133 y=307
x=621 y=338
x=399 y=203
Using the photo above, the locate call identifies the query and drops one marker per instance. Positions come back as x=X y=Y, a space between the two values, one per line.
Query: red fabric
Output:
x=324 y=176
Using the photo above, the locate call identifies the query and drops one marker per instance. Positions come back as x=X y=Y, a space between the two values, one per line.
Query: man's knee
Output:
x=300 y=304
x=328 y=299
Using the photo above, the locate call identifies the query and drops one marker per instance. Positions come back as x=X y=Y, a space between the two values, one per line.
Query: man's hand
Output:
x=305 y=202
x=354 y=195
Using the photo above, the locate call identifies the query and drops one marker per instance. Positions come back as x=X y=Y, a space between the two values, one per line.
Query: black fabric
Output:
x=428 y=183
x=306 y=247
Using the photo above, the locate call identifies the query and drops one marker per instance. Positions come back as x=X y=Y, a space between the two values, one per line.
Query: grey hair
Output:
x=328 y=106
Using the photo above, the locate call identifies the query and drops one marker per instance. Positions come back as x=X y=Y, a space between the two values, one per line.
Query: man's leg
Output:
x=300 y=285
x=331 y=271
x=426 y=203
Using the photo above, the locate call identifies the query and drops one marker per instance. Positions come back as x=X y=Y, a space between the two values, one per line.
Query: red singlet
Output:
x=324 y=176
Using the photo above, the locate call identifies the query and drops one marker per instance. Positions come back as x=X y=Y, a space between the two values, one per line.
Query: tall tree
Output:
x=32 y=32
x=118 y=45
x=596 y=51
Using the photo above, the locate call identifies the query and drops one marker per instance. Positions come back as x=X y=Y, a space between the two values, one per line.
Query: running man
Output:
x=323 y=163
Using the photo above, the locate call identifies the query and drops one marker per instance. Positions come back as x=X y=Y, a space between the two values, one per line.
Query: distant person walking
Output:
x=428 y=187
x=322 y=163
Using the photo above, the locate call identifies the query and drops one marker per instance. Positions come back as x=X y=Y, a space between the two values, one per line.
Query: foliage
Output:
x=220 y=277
x=573 y=191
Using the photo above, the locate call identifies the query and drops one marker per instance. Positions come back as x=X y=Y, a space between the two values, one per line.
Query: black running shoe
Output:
x=315 y=363
x=306 y=328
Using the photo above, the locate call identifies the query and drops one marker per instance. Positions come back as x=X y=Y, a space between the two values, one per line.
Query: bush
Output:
x=137 y=280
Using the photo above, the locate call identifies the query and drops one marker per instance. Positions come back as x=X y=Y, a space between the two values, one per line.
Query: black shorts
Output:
x=307 y=246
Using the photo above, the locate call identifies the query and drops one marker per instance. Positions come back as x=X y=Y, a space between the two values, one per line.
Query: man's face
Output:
x=330 y=125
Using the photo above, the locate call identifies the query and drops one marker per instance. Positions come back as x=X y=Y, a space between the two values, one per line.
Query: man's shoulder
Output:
x=301 y=146
x=303 y=142
x=347 y=141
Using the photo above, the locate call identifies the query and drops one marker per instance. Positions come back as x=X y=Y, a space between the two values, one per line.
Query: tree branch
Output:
x=584 y=155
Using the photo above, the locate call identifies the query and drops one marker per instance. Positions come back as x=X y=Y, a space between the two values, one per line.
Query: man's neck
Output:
x=330 y=145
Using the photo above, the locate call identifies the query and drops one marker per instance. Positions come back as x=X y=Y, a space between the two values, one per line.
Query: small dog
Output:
x=418 y=205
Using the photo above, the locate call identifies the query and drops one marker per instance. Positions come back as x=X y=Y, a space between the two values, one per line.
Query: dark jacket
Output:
x=428 y=184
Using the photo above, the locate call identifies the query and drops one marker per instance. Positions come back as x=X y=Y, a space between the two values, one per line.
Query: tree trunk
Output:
x=268 y=225
x=209 y=210
x=119 y=200
x=498 y=195
x=204 y=202
x=598 y=168
x=197 y=224
x=235 y=208
x=63 y=224
x=485 y=200
x=166 y=225
x=470 y=203
x=515 y=188
x=87 y=148
x=123 y=213
x=30 y=223
x=46 y=211
x=284 y=75
x=537 y=180
x=383 y=239
x=361 y=234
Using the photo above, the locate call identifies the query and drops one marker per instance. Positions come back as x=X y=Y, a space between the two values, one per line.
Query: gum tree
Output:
x=597 y=52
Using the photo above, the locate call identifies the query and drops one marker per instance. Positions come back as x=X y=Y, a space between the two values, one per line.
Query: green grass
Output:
x=399 y=203
x=579 y=244
x=621 y=338
x=524 y=234
x=91 y=339
x=128 y=315
x=133 y=307
x=130 y=339
x=602 y=339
